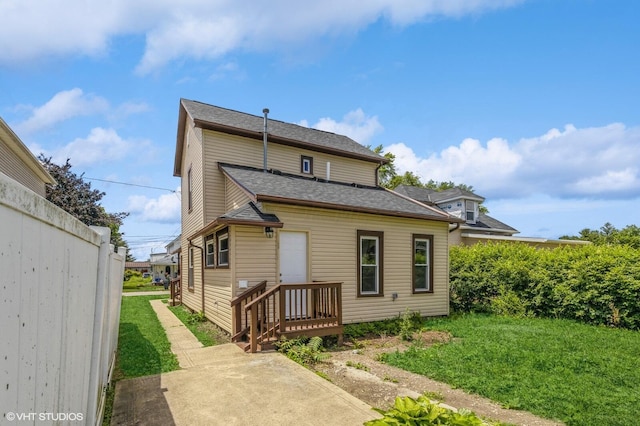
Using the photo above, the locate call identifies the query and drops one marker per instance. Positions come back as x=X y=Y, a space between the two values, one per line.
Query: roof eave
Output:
x=341 y=207
x=222 y=222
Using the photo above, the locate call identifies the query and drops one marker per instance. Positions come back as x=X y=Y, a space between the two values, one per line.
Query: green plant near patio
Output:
x=559 y=369
x=421 y=411
x=303 y=350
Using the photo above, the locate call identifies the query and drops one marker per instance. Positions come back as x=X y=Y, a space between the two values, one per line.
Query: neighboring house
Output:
x=161 y=263
x=301 y=206
x=17 y=162
x=477 y=226
x=138 y=266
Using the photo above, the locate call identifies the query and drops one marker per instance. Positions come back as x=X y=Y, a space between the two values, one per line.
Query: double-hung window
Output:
x=422 y=263
x=223 y=248
x=370 y=249
x=191 y=269
x=210 y=251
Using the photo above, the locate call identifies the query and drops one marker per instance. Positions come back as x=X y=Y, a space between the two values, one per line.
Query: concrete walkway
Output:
x=223 y=385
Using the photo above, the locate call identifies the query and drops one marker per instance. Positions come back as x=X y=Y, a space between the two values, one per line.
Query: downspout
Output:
x=201 y=270
x=264 y=139
x=457 y=226
x=378 y=173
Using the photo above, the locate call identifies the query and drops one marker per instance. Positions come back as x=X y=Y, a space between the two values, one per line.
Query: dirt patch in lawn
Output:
x=354 y=367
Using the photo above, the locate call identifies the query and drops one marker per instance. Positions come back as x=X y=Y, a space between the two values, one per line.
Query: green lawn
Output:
x=559 y=369
x=143 y=347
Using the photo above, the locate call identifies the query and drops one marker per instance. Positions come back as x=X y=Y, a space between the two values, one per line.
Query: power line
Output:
x=130 y=184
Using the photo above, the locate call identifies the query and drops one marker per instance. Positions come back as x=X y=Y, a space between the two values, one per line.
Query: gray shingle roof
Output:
x=427 y=195
x=254 y=124
x=485 y=221
x=292 y=189
x=250 y=212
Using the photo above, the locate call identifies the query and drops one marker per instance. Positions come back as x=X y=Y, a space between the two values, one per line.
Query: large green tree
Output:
x=76 y=197
x=388 y=177
x=609 y=234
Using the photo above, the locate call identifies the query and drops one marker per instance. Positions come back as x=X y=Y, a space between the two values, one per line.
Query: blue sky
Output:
x=533 y=103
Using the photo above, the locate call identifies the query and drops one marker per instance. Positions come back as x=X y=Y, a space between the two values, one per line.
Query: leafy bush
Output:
x=409 y=322
x=594 y=284
x=409 y=411
x=303 y=350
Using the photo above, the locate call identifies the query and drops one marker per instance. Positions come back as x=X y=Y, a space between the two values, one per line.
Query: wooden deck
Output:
x=262 y=316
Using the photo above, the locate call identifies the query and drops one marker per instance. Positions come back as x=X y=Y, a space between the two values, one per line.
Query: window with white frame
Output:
x=191 y=278
x=471 y=211
x=370 y=270
x=306 y=165
x=422 y=263
x=223 y=248
x=210 y=252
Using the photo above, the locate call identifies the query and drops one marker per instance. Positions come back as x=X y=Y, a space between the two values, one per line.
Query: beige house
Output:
x=17 y=162
x=285 y=230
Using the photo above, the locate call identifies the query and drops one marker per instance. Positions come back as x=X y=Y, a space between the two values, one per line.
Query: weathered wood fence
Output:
x=60 y=293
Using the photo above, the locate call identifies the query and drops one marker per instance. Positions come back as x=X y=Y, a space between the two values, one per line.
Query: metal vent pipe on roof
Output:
x=264 y=139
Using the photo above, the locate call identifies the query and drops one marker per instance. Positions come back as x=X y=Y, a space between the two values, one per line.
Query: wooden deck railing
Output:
x=176 y=291
x=239 y=314
x=309 y=309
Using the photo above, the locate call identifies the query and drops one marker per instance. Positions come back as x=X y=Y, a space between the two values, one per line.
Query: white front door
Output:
x=293 y=269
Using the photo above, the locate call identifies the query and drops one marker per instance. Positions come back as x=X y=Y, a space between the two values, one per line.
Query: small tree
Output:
x=76 y=197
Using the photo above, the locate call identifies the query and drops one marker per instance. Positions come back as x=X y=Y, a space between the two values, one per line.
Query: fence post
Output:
x=101 y=298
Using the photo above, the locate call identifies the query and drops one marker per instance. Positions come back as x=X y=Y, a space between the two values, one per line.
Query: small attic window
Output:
x=306 y=165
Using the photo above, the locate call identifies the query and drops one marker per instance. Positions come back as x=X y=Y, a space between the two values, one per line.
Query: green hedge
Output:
x=593 y=284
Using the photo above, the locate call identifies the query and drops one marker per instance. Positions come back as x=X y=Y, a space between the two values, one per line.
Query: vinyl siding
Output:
x=255 y=257
x=192 y=220
x=14 y=167
x=217 y=297
x=235 y=197
x=220 y=147
x=333 y=243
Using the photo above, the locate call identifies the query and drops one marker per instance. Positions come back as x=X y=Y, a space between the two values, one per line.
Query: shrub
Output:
x=409 y=411
x=303 y=350
x=594 y=284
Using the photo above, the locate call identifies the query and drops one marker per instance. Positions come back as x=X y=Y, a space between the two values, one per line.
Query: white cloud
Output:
x=597 y=162
x=62 y=106
x=355 y=124
x=165 y=208
x=200 y=29
x=101 y=145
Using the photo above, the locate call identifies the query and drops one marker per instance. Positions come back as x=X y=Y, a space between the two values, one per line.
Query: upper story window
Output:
x=306 y=165
x=471 y=211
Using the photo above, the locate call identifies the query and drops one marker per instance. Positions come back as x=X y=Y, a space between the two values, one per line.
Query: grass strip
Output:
x=559 y=369
x=206 y=332
x=143 y=347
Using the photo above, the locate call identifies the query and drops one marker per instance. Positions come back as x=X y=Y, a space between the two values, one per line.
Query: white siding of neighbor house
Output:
x=333 y=257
